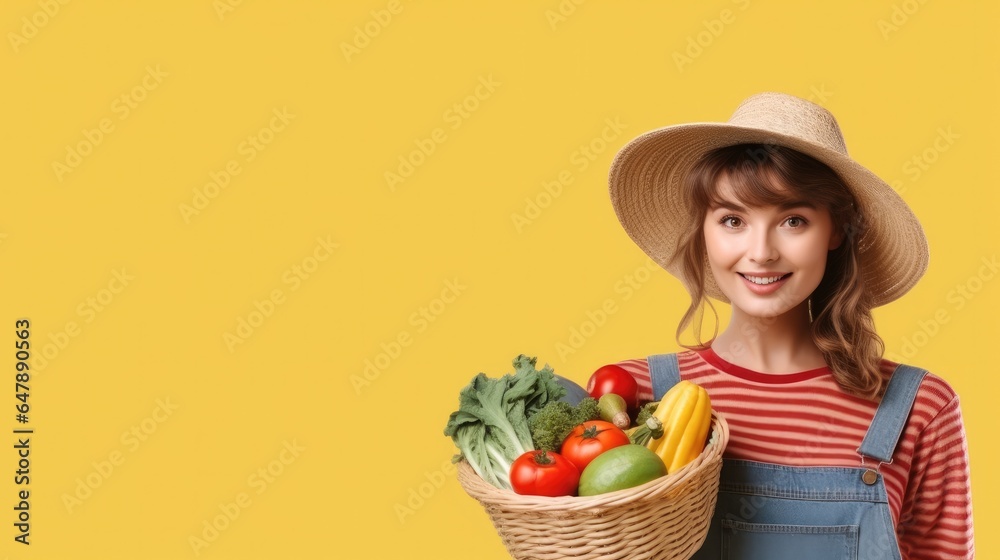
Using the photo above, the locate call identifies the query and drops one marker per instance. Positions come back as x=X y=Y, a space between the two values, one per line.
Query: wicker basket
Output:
x=665 y=518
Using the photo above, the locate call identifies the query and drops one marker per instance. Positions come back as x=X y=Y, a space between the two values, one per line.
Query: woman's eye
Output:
x=795 y=222
x=731 y=222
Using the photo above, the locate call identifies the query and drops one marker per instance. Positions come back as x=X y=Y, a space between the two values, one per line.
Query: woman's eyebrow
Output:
x=728 y=205
x=786 y=205
x=789 y=204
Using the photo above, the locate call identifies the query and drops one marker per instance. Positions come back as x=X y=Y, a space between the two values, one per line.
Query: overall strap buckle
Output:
x=871 y=474
x=887 y=425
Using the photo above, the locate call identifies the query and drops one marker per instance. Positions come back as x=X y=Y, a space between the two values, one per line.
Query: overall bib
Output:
x=775 y=512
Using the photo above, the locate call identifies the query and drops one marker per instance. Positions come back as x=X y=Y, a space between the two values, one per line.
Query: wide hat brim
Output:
x=646 y=178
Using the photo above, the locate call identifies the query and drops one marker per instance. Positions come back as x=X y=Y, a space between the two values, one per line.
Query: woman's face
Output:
x=767 y=260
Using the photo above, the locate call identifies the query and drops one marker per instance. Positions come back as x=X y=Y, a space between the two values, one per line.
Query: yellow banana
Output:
x=686 y=413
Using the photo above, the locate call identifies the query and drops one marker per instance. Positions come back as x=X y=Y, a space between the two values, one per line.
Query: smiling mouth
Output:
x=765 y=280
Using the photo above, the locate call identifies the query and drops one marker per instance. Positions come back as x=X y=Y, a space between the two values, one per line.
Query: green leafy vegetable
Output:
x=490 y=427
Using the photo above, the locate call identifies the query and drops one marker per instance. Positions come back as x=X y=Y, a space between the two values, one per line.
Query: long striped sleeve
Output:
x=936 y=520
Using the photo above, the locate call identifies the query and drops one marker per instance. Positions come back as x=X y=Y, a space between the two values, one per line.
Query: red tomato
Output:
x=590 y=439
x=541 y=473
x=614 y=379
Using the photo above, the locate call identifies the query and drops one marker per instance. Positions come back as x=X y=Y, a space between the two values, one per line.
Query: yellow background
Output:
x=361 y=86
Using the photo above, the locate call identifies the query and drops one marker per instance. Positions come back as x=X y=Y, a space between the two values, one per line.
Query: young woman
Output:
x=835 y=452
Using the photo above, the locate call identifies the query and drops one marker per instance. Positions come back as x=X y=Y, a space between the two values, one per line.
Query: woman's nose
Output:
x=762 y=248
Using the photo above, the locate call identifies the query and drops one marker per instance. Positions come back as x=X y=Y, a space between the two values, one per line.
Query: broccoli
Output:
x=587 y=409
x=550 y=425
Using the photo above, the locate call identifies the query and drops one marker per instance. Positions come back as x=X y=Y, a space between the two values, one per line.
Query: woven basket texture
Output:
x=666 y=518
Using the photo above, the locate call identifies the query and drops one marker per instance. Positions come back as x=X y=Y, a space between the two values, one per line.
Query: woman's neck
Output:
x=775 y=345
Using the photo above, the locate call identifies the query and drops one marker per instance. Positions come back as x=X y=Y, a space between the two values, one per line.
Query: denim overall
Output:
x=774 y=512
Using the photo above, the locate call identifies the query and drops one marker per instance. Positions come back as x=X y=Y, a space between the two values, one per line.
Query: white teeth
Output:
x=763 y=280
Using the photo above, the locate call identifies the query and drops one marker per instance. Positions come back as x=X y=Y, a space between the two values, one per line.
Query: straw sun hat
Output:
x=647 y=174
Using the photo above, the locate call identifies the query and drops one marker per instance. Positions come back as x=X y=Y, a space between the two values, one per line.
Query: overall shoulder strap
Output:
x=664 y=373
x=890 y=417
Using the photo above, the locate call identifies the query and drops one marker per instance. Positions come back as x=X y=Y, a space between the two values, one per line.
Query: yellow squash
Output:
x=686 y=413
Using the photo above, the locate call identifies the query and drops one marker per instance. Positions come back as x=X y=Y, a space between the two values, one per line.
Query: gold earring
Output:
x=809 y=304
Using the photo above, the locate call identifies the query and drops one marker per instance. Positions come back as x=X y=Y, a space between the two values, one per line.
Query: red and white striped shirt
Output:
x=805 y=419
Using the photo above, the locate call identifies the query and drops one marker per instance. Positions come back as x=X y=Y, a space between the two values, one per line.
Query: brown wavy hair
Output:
x=765 y=175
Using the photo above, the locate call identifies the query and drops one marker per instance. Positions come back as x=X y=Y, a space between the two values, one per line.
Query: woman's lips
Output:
x=768 y=283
